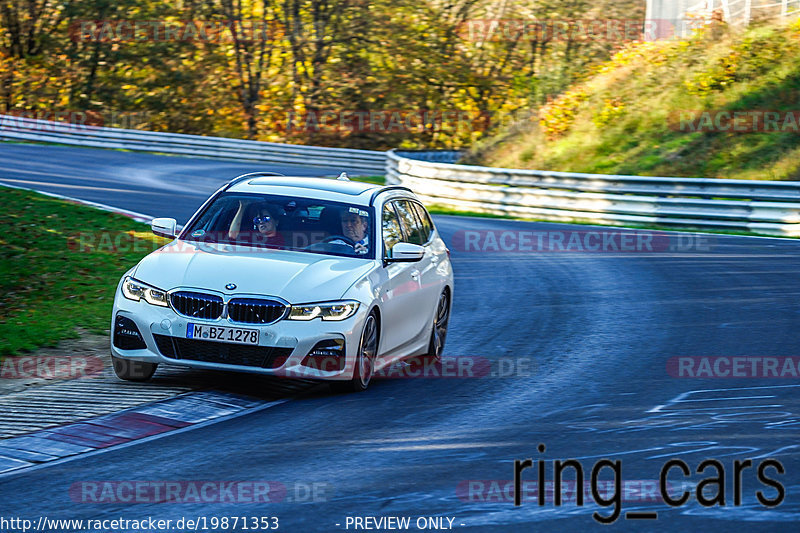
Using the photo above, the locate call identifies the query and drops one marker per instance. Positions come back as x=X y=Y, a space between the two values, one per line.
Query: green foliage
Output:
x=629 y=120
x=317 y=58
x=612 y=109
x=557 y=116
x=720 y=75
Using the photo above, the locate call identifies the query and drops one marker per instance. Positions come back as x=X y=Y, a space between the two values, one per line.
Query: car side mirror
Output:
x=164 y=227
x=405 y=252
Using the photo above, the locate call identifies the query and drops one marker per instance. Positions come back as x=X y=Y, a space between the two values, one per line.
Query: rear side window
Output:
x=424 y=220
x=390 y=229
x=408 y=220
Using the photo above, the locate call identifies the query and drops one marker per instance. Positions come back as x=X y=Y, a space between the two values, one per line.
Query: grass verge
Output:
x=59 y=267
x=661 y=109
x=377 y=180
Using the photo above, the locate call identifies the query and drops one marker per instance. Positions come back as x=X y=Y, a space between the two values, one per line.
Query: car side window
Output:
x=425 y=221
x=390 y=229
x=410 y=224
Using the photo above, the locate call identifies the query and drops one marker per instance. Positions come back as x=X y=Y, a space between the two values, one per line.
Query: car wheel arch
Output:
x=449 y=290
x=376 y=309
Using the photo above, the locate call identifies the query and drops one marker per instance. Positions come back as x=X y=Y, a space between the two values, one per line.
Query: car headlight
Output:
x=325 y=311
x=135 y=290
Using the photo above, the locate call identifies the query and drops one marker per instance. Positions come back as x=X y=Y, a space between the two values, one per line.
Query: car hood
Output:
x=297 y=277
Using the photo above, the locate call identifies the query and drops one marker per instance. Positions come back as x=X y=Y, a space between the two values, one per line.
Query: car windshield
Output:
x=286 y=223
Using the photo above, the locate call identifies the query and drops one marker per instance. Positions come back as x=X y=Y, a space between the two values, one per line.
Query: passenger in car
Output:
x=265 y=223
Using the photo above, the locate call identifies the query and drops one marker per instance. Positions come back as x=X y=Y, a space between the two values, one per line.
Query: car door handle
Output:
x=415 y=275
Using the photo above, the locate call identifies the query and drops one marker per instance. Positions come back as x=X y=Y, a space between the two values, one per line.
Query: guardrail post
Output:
x=726 y=11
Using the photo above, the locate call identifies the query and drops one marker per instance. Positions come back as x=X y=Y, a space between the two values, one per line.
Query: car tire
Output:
x=133 y=370
x=365 y=362
x=441 y=319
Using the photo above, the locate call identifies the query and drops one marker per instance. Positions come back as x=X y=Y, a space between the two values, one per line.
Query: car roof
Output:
x=355 y=192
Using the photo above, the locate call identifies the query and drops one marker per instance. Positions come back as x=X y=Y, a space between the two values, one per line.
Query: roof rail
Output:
x=247 y=176
x=388 y=188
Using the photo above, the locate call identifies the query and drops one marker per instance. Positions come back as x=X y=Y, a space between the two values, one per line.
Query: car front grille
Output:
x=255 y=311
x=221 y=352
x=196 y=304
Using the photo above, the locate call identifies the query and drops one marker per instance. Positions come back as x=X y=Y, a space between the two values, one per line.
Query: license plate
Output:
x=222 y=334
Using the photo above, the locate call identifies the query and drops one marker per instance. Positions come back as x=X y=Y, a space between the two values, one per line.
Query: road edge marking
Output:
x=243 y=412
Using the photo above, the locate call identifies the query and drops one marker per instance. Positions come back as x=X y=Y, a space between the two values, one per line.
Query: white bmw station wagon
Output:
x=310 y=278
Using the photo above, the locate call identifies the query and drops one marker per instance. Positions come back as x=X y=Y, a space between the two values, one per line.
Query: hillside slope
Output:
x=673 y=108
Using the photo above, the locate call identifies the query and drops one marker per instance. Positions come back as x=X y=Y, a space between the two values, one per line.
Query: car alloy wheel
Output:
x=365 y=362
x=440 y=322
x=367 y=351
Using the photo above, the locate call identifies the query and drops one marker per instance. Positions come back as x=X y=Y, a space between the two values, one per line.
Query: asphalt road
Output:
x=157 y=185
x=586 y=338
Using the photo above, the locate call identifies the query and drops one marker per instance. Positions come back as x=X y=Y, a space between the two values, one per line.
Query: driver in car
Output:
x=354 y=227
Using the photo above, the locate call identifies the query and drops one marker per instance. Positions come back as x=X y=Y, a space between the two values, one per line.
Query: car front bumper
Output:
x=292 y=340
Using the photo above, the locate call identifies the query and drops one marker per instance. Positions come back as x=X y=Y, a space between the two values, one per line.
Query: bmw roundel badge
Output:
x=230 y=286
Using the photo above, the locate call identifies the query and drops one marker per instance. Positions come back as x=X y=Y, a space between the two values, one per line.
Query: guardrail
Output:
x=766 y=207
x=365 y=162
x=743 y=11
x=684 y=16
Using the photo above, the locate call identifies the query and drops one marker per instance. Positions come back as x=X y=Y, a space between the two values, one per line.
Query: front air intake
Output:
x=127 y=335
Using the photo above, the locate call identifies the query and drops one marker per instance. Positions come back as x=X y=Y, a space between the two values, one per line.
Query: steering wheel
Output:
x=350 y=242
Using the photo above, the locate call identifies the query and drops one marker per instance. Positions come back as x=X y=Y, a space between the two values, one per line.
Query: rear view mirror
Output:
x=164 y=227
